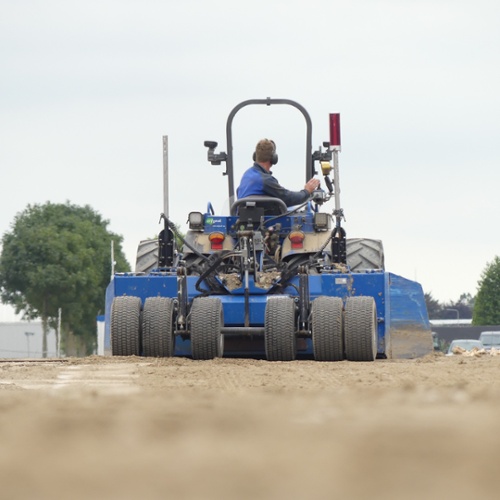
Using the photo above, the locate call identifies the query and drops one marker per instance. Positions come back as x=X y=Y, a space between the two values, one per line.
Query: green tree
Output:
x=487 y=303
x=434 y=307
x=58 y=256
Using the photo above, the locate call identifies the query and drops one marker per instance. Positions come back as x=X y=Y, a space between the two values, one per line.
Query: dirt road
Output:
x=123 y=428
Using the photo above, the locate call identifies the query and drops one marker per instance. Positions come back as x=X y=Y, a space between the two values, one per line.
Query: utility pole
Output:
x=28 y=335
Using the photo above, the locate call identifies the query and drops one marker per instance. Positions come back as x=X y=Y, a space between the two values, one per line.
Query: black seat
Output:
x=271 y=206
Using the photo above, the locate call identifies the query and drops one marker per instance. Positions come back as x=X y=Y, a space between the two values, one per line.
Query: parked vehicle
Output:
x=466 y=344
x=490 y=340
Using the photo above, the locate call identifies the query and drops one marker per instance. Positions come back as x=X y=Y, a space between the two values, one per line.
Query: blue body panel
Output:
x=408 y=330
x=227 y=224
x=400 y=303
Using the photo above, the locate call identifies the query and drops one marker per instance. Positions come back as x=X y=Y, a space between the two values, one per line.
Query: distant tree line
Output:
x=459 y=309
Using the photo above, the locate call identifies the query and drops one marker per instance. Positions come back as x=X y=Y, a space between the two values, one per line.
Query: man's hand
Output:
x=312 y=185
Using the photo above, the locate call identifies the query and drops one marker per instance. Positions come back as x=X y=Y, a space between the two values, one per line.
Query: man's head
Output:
x=265 y=151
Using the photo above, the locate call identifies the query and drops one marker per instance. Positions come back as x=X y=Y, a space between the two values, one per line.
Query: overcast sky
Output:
x=88 y=89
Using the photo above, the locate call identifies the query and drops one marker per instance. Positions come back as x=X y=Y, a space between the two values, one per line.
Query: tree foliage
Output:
x=487 y=305
x=58 y=256
x=433 y=306
x=458 y=309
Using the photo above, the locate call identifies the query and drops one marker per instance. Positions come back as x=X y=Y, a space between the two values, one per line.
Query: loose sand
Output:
x=128 y=428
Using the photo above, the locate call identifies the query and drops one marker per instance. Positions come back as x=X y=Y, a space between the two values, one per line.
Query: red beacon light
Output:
x=335 y=130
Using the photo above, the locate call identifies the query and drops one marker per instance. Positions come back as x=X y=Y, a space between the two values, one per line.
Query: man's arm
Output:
x=273 y=188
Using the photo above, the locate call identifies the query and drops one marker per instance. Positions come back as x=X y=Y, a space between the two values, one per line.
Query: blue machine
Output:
x=268 y=281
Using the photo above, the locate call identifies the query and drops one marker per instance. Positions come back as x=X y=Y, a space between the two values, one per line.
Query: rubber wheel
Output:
x=125 y=326
x=207 y=320
x=360 y=329
x=279 y=329
x=364 y=253
x=158 y=339
x=327 y=325
x=147 y=256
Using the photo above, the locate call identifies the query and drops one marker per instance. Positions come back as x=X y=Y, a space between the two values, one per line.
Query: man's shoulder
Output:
x=260 y=168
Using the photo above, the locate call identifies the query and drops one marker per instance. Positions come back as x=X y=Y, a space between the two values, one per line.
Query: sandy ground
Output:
x=123 y=428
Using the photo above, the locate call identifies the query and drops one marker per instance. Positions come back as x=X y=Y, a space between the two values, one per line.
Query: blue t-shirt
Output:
x=258 y=181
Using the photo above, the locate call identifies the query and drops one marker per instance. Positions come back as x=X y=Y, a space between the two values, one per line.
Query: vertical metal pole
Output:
x=165 y=175
x=166 y=239
x=28 y=335
x=336 y=180
x=339 y=248
x=58 y=339
x=112 y=259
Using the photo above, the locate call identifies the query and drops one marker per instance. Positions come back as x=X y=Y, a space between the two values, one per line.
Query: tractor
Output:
x=266 y=280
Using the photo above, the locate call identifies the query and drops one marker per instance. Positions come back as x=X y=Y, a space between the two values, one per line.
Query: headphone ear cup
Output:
x=254 y=156
x=274 y=158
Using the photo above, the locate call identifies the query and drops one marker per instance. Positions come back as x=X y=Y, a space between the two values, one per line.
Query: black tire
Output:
x=327 y=329
x=279 y=329
x=158 y=339
x=360 y=325
x=364 y=253
x=147 y=256
x=125 y=326
x=207 y=320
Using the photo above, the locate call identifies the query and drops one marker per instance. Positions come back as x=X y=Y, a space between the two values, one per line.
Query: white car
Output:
x=490 y=340
x=465 y=344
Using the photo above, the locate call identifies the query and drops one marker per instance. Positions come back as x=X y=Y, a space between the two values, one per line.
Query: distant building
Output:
x=450 y=322
x=24 y=339
x=451 y=329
